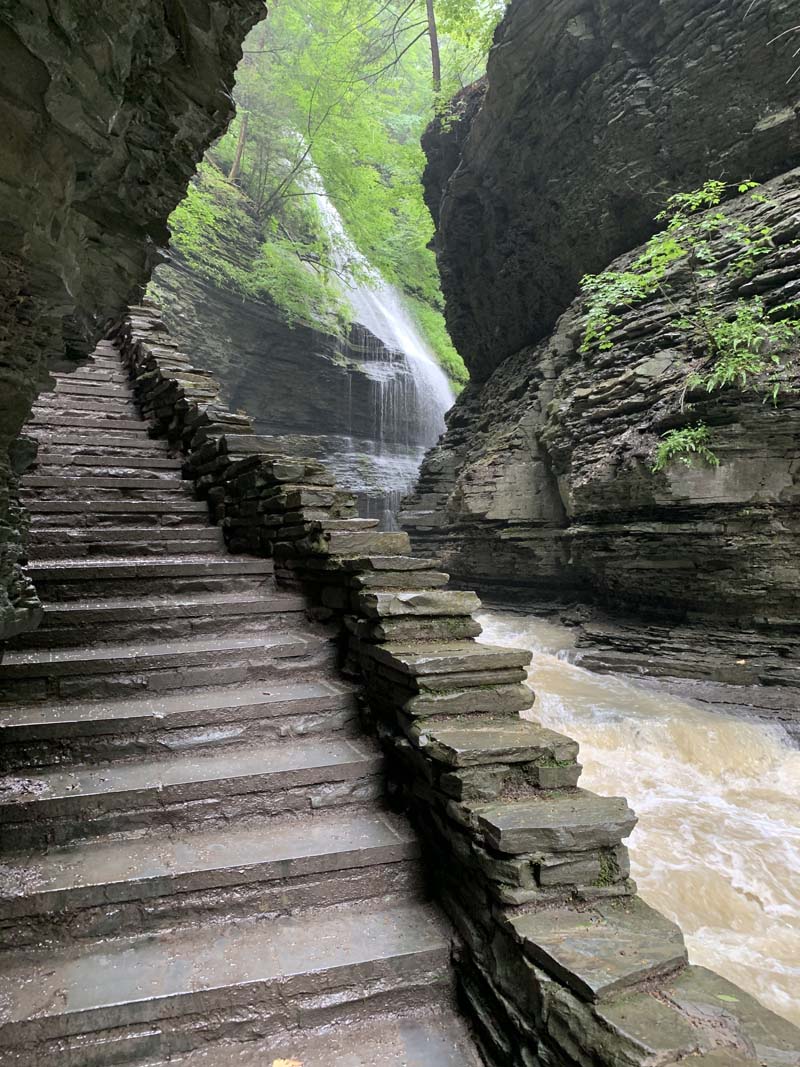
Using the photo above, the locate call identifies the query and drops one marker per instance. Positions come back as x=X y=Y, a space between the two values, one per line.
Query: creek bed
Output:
x=717 y=847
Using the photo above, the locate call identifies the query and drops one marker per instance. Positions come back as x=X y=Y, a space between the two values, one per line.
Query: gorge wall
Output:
x=106 y=109
x=542 y=487
x=345 y=398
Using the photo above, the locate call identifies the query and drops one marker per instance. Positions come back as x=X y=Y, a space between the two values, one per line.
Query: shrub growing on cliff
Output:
x=686 y=444
x=753 y=347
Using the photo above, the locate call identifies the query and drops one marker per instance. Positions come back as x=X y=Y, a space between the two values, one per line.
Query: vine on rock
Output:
x=752 y=347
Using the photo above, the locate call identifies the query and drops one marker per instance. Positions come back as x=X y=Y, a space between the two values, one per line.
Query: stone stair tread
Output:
x=119 y=867
x=147 y=567
x=421 y=658
x=492 y=739
x=169 y=607
x=139 y=978
x=195 y=706
x=434 y=1039
x=600 y=950
x=186 y=532
x=90 y=481
x=155 y=775
x=79 y=465
x=153 y=506
x=112 y=437
x=15 y=664
x=75 y=421
x=573 y=820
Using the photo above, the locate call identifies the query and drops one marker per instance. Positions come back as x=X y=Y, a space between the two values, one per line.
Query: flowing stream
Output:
x=717 y=846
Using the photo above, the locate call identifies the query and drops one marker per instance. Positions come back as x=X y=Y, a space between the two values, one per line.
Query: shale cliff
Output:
x=543 y=485
x=340 y=396
x=106 y=109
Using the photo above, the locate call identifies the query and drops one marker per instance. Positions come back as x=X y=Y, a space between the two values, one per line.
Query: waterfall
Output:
x=411 y=393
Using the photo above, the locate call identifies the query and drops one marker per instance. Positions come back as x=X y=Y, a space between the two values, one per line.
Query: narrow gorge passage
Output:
x=196 y=848
x=717 y=846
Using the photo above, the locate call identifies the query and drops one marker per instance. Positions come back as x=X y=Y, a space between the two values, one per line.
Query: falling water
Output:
x=410 y=392
x=717 y=847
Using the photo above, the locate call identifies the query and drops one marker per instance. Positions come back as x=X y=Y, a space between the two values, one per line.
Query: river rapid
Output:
x=717 y=846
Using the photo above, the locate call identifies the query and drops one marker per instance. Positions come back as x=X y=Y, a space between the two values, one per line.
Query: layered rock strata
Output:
x=106 y=110
x=593 y=115
x=543 y=487
x=559 y=962
x=347 y=400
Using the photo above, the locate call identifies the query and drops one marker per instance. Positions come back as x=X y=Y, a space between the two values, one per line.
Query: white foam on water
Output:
x=717 y=846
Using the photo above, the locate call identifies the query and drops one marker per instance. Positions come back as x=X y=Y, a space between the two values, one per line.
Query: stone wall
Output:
x=559 y=963
x=106 y=108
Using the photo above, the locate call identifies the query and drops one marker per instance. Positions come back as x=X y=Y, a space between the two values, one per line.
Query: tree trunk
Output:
x=237 y=159
x=436 y=61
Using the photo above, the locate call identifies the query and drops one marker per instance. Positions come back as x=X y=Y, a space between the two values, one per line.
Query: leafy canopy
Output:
x=347 y=85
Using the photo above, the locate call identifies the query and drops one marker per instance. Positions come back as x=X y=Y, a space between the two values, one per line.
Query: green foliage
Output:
x=346 y=84
x=430 y=321
x=685 y=444
x=753 y=348
x=214 y=231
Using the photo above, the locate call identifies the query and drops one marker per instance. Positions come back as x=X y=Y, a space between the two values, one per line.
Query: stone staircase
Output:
x=198 y=867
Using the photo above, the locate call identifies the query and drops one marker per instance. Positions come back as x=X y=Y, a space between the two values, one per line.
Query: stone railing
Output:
x=559 y=963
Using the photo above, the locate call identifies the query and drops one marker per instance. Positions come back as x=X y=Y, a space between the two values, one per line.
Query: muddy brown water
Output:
x=717 y=846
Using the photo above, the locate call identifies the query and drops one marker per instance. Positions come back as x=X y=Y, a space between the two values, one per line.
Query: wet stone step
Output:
x=67 y=387
x=126 y=609
x=80 y=481
x=42 y=549
x=574 y=820
x=189 y=720
x=52 y=463
x=77 y=440
x=75 y=570
x=136 y=619
x=62 y=424
x=115 y=659
x=95 y=506
x=109 y=534
x=50 y=403
x=599 y=950
x=428 y=1038
x=61 y=893
x=221 y=972
x=57 y=806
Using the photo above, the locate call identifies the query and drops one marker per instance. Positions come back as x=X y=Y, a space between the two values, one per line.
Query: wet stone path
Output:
x=197 y=865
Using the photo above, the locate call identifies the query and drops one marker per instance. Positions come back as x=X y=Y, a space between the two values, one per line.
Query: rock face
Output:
x=349 y=401
x=106 y=109
x=594 y=114
x=542 y=487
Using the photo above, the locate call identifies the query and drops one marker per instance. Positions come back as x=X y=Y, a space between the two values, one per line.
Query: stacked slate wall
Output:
x=559 y=962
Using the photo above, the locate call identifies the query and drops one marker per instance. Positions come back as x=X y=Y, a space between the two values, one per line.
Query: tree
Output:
x=436 y=61
x=236 y=166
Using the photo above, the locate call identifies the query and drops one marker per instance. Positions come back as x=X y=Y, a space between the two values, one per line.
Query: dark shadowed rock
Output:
x=593 y=115
x=106 y=109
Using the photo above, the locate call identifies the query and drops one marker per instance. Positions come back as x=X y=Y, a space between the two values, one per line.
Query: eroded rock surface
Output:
x=542 y=488
x=593 y=115
x=543 y=485
x=106 y=109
